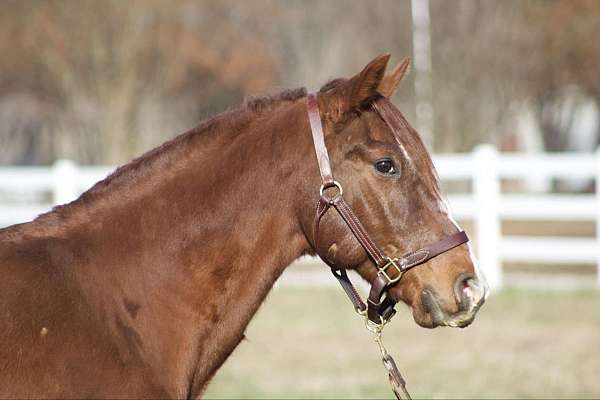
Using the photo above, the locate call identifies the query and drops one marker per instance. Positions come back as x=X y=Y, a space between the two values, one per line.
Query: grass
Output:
x=308 y=343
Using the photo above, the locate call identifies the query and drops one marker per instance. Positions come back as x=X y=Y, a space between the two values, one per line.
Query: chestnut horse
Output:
x=144 y=285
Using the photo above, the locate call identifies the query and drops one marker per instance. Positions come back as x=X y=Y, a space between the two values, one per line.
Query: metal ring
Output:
x=375 y=327
x=335 y=183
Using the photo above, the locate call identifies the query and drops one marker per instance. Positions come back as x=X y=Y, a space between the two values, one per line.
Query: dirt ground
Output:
x=308 y=343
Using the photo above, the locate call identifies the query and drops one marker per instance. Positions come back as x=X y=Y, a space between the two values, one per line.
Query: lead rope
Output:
x=395 y=378
x=397 y=382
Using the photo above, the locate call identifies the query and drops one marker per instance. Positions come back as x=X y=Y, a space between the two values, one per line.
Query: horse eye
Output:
x=385 y=167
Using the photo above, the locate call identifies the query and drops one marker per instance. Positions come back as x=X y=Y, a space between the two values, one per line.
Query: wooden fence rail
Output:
x=28 y=191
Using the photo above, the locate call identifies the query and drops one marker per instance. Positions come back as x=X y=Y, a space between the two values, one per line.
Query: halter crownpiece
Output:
x=379 y=308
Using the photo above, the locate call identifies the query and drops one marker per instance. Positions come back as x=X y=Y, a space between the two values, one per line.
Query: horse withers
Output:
x=144 y=285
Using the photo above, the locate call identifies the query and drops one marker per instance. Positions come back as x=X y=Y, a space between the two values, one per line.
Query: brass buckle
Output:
x=382 y=271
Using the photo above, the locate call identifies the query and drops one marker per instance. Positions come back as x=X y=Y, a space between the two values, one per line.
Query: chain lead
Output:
x=397 y=382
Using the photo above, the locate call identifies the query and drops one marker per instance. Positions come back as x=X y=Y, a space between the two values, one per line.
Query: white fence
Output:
x=485 y=204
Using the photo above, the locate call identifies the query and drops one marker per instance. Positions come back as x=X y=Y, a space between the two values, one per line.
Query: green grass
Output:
x=308 y=343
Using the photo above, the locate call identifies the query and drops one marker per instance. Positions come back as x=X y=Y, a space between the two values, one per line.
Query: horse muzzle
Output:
x=469 y=293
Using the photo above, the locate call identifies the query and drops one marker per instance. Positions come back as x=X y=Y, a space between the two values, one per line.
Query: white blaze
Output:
x=445 y=209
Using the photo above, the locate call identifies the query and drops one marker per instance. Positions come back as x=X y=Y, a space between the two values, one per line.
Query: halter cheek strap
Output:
x=316 y=127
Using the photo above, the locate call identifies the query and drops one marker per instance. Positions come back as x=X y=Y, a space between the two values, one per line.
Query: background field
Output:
x=308 y=343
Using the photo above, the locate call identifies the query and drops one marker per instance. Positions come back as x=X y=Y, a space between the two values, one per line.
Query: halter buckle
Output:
x=382 y=271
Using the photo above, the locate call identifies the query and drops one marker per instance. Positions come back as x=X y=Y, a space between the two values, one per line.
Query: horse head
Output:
x=390 y=183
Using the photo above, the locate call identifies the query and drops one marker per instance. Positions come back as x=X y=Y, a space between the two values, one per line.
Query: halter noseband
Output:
x=379 y=308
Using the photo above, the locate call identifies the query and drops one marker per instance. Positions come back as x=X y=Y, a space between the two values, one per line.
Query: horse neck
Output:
x=187 y=264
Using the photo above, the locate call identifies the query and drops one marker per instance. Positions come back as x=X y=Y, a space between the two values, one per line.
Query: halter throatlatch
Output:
x=379 y=308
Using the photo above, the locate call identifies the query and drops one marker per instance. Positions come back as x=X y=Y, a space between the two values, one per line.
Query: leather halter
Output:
x=379 y=308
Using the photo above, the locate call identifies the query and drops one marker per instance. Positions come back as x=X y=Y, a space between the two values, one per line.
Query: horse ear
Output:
x=365 y=84
x=390 y=82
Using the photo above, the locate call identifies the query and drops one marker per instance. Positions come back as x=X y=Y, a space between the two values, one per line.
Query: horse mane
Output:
x=233 y=119
x=230 y=122
x=259 y=104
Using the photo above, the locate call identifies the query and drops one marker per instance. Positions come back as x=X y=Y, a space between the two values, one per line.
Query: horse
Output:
x=144 y=285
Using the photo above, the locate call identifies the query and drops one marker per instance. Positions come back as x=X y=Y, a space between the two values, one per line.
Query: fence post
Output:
x=597 y=186
x=486 y=190
x=64 y=186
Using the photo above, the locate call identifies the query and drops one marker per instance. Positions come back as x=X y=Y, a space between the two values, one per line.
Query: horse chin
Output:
x=435 y=320
x=432 y=315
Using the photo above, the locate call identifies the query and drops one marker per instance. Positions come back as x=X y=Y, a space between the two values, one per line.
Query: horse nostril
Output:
x=432 y=306
x=468 y=291
x=428 y=300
